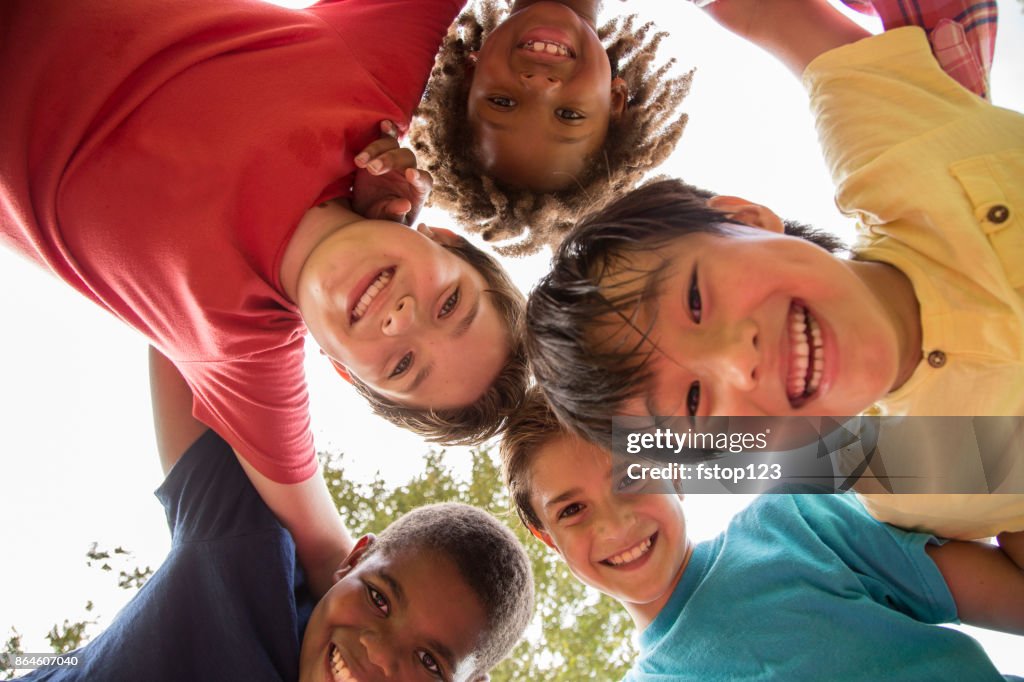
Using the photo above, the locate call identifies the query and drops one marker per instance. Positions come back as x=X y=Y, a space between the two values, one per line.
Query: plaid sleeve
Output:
x=962 y=33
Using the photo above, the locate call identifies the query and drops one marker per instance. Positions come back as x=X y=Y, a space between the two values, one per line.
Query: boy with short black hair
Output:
x=799 y=587
x=442 y=593
x=927 y=318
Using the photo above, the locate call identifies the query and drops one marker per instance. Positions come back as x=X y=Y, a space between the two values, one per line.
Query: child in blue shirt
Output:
x=441 y=594
x=799 y=587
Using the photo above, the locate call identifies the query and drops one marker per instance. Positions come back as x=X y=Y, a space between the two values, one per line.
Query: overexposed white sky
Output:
x=77 y=458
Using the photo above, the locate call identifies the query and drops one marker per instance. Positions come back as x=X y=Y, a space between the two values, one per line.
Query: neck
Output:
x=644 y=614
x=587 y=9
x=318 y=223
x=895 y=294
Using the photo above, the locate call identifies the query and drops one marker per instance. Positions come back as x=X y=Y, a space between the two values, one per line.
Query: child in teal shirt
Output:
x=798 y=587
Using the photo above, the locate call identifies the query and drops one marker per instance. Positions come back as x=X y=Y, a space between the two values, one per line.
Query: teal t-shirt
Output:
x=809 y=587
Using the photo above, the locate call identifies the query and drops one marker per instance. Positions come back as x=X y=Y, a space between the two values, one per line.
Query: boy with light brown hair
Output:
x=799 y=586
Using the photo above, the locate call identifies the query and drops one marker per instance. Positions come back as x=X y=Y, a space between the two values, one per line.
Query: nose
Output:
x=539 y=81
x=616 y=520
x=732 y=355
x=379 y=654
x=400 y=317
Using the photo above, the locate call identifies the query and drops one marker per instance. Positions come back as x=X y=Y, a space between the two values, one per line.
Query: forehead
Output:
x=566 y=462
x=433 y=602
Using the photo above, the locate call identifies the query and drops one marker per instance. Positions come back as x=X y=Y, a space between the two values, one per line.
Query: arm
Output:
x=794 y=31
x=987 y=586
x=176 y=428
x=305 y=509
x=1012 y=545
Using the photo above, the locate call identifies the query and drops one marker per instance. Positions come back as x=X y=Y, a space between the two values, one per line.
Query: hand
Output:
x=388 y=186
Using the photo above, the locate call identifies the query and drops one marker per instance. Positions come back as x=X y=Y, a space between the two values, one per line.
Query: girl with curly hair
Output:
x=535 y=113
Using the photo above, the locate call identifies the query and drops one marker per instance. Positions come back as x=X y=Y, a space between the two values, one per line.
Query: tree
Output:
x=576 y=634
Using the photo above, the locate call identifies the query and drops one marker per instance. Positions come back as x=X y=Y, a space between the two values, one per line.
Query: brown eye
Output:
x=569 y=115
x=402 y=366
x=430 y=663
x=379 y=601
x=693 y=298
x=451 y=303
x=693 y=399
x=570 y=510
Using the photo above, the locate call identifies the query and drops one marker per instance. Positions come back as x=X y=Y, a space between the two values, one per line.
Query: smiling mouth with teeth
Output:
x=548 y=47
x=807 y=355
x=376 y=286
x=632 y=554
x=339 y=671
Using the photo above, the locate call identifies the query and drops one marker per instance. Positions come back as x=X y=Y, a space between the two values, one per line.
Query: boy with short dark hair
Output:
x=442 y=593
x=927 y=318
x=799 y=587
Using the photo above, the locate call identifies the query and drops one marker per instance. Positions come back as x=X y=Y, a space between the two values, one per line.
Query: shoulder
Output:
x=207 y=494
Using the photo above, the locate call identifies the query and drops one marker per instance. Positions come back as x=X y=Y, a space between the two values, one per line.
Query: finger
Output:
x=420 y=179
x=389 y=128
x=398 y=208
x=376 y=148
x=393 y=159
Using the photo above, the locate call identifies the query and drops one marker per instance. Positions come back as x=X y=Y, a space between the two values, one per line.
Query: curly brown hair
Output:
x=487 y=415
x=637 y=141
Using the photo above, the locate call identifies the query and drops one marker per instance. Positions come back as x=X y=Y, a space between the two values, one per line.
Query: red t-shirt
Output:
x=158 y=155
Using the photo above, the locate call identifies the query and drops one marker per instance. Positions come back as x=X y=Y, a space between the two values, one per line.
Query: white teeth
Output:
x=807 y=354
x=339 y=670
x=630 y=555
x=547 y=47
x=371 y=292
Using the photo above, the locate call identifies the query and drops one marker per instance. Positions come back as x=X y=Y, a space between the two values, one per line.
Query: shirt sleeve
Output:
x=260 y=405
x=873 y=95
x=890 y=564
x=395 y=40
x=206 y=495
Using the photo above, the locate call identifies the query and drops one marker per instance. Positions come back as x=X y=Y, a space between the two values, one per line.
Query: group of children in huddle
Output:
x=224 y=177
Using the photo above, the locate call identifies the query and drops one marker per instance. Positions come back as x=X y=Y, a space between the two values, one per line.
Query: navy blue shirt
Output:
x=228 y=603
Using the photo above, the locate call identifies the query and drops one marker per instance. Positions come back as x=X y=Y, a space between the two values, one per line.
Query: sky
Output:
x=77 y=456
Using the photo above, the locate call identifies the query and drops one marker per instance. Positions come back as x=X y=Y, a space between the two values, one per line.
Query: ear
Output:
x=620 y=97
x=355 y=556
x=471 y=59
x=748 y=213
x=440 y=235
x=341 y=369
x=542 y=536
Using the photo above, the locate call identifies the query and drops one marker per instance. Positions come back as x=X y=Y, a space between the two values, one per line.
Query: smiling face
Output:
x=541 y=98
x=407 y=617
x=405 y=315
x=632 y=547
x=752 y=322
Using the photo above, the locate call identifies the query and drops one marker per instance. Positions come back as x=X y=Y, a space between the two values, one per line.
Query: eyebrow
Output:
x=463 y=326
x=394 y=586
x=444 y=652
x=568 y=494
x=459 y=331
x=571 y=493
